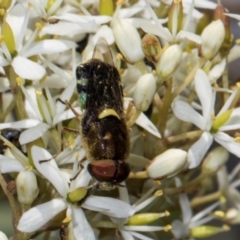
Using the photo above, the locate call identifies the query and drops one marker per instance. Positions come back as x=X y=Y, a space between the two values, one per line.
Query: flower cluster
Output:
x=110 y=112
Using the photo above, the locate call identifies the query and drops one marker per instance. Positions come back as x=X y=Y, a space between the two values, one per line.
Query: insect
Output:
x=103 y=128
x=12 y=135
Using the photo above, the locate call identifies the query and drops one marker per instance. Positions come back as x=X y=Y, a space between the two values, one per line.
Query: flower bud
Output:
x=169 y=61
x=167 y=164
x=3 y=236
x=144 y=91
x=151 y=47
x=175 y=17
x=212 y=37
x=232 y=216
x=215 y=159
x=144 y=218
x=27 y=188
x=219 y=13
x=128 y=40
x=5 y=4
x=8 y=37
x=207 y=231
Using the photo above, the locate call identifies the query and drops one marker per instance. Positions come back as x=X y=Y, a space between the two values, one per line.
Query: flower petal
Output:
x=126 y=235
x=217 y=71
x=28 y=69
x=8 y=165
x=109 y=206
x=33 y=133
x=28 y=123
x=199 y=149
x=49 y=169
x=185 y=112
x=68 y=114
x=204 y=92
x=36 y=217
x=81 y=228
x=49 y=46
x=190 y=36
x=66 y=95
x=145 y=123
x=228 y=142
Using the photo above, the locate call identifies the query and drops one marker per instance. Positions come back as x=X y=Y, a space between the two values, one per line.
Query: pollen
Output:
x=213 y=117
x=19 y=81
x=119 y=56
x=120 y=2
x=238 y=84
x=237 y=139
x=237 y=41
x=167 y=213
x=55 y=36
x=38 y=26
x=220 y=214
x=29 y=5
x=154 y=72
x=67 y=219
x=39 y=92
x=158 y=193
x=177 y=1
x=167 y=228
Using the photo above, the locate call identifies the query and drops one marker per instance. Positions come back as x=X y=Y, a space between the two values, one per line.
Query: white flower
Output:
x=36 y=217
x=181 y=228
x=164 y=33
x=16 y=52
x=212 y=126
x=41 y=120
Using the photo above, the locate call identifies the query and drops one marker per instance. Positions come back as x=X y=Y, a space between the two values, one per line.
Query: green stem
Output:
x=206 y=199
x=163 y=113
x=104 y=224
x=190 y=77
x=16 y=91
x=7 y=111
x=12 y=202
x=225 y=81
x=189 y=187
x=184 y=136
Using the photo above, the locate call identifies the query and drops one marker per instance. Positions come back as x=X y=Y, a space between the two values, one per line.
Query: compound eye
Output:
x=123 y=170
x=109 y=170
x=102 y=170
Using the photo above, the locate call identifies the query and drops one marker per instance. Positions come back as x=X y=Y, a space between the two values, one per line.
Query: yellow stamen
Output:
x=19 y=81
x=158 y=193
x=67 y=219
x=237 y=41
x=119 y=56
x=237 y=139
x=226 y=227
x=39 y=92
x=120 y=2
x=167 y=213
x=154 y=72
x=55 y=37
x=38 y=26
x=223 y=199
x=29 y=5
x=167 y=228
x=238 y=85
x=157 y=182
x=220 y=214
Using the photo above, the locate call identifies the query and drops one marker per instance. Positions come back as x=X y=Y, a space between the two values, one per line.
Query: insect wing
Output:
x=102 y=52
